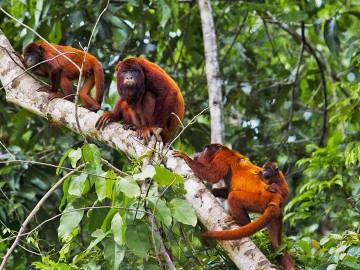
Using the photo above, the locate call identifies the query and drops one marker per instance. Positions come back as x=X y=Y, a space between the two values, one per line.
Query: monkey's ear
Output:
x=41 y=48
x=276 y=170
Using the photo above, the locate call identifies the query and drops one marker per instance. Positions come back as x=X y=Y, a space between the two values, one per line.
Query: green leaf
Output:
x=96 y=218
x=129 y=187
x=148 y=172
x=164 y=12
x=293 y=16
x=183 y=212
x=160 y=210
x=165 y=177
x=92 y=155
x=74 y=157
x=71 y=218
x=117 y=229
x=113 y=253
x=304 y=245
x=330 y=36
x=55 y=34
x=137 y=239
x=77 y=184
x=152 y=267
x=104 y=185
x=101 y=186
x=99 y=235
x=62 y=160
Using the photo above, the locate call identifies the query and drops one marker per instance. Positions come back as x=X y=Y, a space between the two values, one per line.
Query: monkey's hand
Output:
x=271 y=188
x=146 y=133
x=104 y=120
x=180 y=154
x=55 y=95
x=129 y=127
x=45 y=88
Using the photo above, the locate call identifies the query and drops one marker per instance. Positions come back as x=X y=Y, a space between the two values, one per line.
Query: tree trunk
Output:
x=212 y=72
x=21 y=89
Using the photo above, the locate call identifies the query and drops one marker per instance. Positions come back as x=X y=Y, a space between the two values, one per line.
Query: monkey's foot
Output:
x=129 y=127
x=93 y=108
x=55 y=95
x=104 y=120
x=146 y=133
x=230 y=219
x=275 y=205
x=45 y=88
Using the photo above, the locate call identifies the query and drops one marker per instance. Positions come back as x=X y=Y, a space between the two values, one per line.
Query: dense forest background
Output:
x=290 y=84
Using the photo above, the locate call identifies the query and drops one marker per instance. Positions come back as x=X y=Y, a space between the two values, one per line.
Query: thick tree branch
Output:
x=21 y=89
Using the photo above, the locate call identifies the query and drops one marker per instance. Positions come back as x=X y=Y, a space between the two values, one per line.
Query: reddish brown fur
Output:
x=247 y=193
x=62 y=71
x=275 y=179
x=148 y=97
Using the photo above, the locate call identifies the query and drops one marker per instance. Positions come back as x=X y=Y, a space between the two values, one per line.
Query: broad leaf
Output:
x=129 y=187
x=113 y=253
x=137 y=239
x=165 y=177
x=160 y=210
x=183 y=212
x=71 y=218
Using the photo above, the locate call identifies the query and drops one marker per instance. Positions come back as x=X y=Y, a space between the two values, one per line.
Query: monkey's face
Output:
x=269 y=171
x=33 y=55
x=208 y=153
x=130 y=77
x=130 y=82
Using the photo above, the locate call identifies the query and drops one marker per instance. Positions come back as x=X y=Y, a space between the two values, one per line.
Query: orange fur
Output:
x=62 y=71
x=246 y=193
x=148 y=99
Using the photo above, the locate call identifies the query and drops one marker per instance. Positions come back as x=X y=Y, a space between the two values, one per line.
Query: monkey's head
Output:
x=33 y=54
x=218 y=153
x=131 y=80
x=270 y=169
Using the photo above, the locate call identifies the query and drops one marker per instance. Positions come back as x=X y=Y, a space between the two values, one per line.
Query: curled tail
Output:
x=244 y=231
x=99 y=81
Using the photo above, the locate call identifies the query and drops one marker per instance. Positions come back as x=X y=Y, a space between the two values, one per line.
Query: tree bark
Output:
x=212 y=72
x=21 y=90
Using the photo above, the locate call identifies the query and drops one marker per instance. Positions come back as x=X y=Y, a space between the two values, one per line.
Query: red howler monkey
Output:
x=62 y=71
x=247 y=192
x=148 y=97
x=272 y=176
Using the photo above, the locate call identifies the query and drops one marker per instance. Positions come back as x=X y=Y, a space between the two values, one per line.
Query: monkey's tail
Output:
x=246 y=230
x=286 y=261
x=99 y=82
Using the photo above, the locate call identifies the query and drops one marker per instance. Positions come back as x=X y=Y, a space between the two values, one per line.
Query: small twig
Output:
x=33 y=213
x=183 y=128
x=7 y=150
x=237 y=33
x=112 y=167
x=81 y=72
